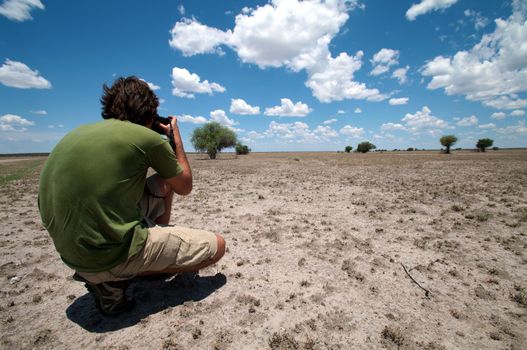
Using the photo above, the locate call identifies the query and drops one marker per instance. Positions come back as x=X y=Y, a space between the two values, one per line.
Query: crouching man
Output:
x=108 y=221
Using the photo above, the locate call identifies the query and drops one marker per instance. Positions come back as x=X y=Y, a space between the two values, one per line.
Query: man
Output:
x=107 y=220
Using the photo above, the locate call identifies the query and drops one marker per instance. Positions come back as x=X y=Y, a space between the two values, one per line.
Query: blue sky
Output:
x=286 y=75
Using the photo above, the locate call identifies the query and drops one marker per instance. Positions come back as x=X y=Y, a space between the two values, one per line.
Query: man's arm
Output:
x=181 y=184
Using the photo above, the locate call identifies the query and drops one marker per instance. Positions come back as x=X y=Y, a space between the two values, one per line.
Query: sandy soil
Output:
x=318 y=244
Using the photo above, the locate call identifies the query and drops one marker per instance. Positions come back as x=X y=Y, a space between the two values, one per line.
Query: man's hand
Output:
x=166 y=128
x=181 y=184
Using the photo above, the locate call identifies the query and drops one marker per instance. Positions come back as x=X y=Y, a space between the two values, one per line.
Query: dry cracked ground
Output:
x=409 y=250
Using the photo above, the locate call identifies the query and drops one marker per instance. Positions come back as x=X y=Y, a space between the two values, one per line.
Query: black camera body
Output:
x=160 y=120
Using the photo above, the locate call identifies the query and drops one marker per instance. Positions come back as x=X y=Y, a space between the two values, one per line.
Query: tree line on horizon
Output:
x=213 y=137
x=446 y=141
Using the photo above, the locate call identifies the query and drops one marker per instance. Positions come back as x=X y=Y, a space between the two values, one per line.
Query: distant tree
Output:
x=365 y=147
x=410 y=149
x=484 y=143
x=448 y=141
x=242 y=149
x=495 y=148
x=348 y=149
x=212 y=138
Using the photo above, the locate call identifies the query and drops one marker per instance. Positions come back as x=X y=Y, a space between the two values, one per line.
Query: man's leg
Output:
x=168 y=250
x=220 y=252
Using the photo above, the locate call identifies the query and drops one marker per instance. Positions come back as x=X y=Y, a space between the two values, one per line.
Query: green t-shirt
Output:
x=90 y=188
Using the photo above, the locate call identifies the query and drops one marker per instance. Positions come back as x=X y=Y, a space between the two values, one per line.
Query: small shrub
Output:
x=482 y=215
x=242 y=149
x=348 y=149
x=394 y=335
x=457 y=208
x=520 y=296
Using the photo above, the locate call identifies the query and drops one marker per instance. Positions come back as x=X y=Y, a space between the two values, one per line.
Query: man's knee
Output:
x=220 y=251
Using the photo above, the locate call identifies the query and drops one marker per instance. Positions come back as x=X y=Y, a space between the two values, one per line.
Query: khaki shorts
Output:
x=166 y=246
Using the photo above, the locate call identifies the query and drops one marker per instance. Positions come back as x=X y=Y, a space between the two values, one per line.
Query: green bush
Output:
x=242 y=149
x=348 y=149
x=365 y=147
x=212 y=138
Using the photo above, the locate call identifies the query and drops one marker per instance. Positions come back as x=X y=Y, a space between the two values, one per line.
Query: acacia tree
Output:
x=448 y=141
x=212 y=138
x=348 y=149
x=484 y=143
x=365 y=147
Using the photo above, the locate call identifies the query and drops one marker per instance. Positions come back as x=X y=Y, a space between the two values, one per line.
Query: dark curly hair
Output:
x=129 y=99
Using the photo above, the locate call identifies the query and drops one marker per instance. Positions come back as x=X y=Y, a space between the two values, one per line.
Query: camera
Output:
x=160 y=120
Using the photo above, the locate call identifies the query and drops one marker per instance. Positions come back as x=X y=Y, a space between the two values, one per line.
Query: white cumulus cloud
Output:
x=191 y=38
x=476 y=17
x=519 y=128
x=18 y=75
x=11 y=122
x=39 y=112
x=400 y=74
x=487 y=126
x=392 y=127
x=325 y=131
x=498 y=115
x=383 y=60
x=19 y=10
x=424 y=121
x=518 y=113
x=239 y=106
x=185 y=118
x=398 y=101
x=181 y=10
x=468 y=121
x=494 y=71
x=358 y=110
x=152 y=86
x=286 y=33
x=329 y=121
x=426 y=6
x=294 y=132
x=352 y=131
x=288 y=109
x=297 y=132
x=219 y=116
x=334 y=81
x=280 y=32
x=186 y=84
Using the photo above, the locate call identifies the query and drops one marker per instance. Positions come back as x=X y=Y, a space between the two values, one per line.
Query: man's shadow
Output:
x=152 y=295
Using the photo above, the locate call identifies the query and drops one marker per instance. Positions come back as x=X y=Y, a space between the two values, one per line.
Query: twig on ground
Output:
x=427 y=292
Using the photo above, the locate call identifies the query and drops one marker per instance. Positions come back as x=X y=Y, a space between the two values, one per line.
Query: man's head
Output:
x=129 y=99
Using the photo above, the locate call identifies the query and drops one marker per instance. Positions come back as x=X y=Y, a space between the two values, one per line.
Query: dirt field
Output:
x=318 y=245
